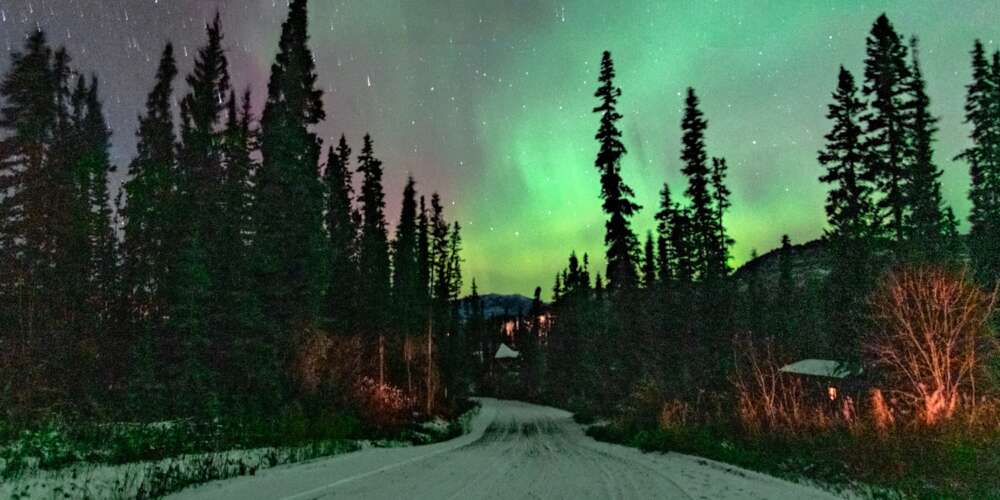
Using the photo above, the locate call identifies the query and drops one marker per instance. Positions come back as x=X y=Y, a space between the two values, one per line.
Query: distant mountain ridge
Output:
x=496 y=305
x=810 y=263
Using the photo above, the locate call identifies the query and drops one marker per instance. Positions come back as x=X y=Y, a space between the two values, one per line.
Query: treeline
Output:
x=666 y=311
x=237 y=274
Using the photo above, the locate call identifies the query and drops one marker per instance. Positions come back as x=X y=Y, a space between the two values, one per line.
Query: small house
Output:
x=828 y=379
x=505 y=355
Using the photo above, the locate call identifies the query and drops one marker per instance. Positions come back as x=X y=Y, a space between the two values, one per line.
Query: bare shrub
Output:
x=932 y=334
x=882 y=415
x=381 y=405
x=331 y=368
x=674 y=414
x=768 y=400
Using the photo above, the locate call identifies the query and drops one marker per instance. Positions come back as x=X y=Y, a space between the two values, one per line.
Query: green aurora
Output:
x=489 y=103
x=502 y=98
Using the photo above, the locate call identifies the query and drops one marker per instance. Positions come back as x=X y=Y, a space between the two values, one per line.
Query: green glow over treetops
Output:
x=490 y=103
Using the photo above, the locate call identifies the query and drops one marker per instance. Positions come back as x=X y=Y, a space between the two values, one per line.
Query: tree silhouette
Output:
x=702 y=215
x=343 y=232
x=886 y=73
x=289 y=240
x=373 y=257
x=621 y=243
x=850 y=212
x=982 y=112
x=148 y=217
x=926 y=222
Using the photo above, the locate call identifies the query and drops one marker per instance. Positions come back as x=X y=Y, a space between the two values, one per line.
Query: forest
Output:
x=235 y=278
x=241 y=289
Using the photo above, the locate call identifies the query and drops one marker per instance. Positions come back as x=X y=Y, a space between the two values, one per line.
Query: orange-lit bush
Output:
x=384 y=406
x=768 y=400
x=333 y=369
x=931 y=337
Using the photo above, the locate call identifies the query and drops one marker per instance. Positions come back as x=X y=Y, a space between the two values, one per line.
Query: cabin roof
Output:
x=822 y=368
x=505 y=352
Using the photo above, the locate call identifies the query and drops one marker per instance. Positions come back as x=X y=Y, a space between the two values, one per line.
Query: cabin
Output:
x=506 y=357
x=828 y=380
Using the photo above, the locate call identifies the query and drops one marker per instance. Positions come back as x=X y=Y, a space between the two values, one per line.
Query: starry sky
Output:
x=489 y=102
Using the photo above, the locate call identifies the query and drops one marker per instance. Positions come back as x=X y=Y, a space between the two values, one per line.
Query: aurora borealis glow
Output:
x=489 y=102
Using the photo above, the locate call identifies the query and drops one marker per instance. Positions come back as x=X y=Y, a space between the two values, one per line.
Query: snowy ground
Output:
x=514 y=450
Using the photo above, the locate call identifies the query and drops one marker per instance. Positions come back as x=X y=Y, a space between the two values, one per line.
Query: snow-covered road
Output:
x=514 y=450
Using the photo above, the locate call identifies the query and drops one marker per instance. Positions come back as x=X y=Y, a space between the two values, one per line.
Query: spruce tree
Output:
x=151 y=232
x=664 y=223
x=94 y=164
x=147 y=214
x=571 y=281
x=424 y=252
x=850 y=214
x=408 y=290
x=585 y=275
x=649 y=263
x=290 y=244
x=200 y=155
x=28 y=91
x=340 y=225
x=849 y=201
x=786 y=297
x=455 y=261
x=926 y=221
x=886 y=74
x=702 y=215
x=406 y=265
x=718 y=265
x=681 y=241
x=982 y=112
x=621 y=243
x=44 y=226
x=373 y=250
x=438 y=251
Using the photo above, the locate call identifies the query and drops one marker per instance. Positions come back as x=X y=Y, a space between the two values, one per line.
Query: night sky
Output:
x=490 y=104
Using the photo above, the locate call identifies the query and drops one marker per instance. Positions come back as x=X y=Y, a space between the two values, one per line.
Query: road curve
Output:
x=514 y=450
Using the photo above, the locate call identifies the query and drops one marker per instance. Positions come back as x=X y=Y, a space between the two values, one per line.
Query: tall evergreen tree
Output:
x=455 y=261
x=849 y=201
x=373 y=250
x=927 y=222
x=702 y=215
x=289 y=238
x=982 y=112
x=622 y=244
x=667 y=259
x=200 y=154
x=439 y=260
x=147 y=214
x=28 y=93
x=424 y=251
x=850 y=213
x=719 y=253
x=94 y=163
x=886 y=74
x=407 y=287
x=340 y=224
x=408 y=290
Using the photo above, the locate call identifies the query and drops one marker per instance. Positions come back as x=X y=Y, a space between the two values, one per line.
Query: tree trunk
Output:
x=430 y=364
